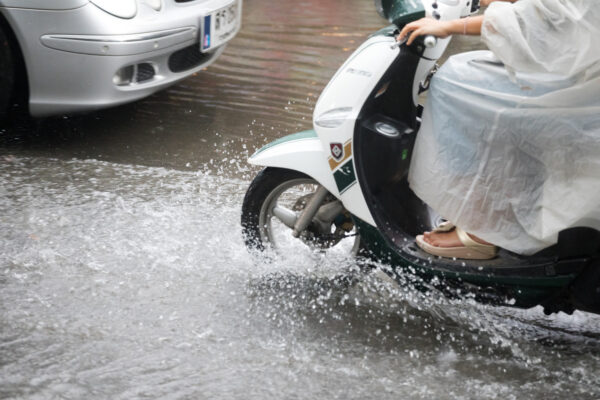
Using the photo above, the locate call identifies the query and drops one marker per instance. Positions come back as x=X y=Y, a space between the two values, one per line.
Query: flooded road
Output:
x=123 y=273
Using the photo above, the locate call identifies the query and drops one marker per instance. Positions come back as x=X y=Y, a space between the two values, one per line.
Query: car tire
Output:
x=7 y=73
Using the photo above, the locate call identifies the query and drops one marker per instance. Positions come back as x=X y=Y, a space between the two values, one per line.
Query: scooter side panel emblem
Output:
x=345 y=176
x=337 y=151
x=346 y=151
x=341 y=164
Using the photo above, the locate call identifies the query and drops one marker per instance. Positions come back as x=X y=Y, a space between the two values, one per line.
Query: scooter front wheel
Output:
x=273 y=203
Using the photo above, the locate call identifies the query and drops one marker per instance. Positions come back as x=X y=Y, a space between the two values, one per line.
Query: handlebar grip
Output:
x=430 y=41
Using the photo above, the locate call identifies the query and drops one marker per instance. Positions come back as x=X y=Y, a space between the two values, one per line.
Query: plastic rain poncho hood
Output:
x=509 y=147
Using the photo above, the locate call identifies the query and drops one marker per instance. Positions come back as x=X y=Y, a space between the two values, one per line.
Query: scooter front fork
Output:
x=310 y=211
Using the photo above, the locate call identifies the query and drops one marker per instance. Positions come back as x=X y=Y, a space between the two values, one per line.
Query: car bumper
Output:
x=76 y=62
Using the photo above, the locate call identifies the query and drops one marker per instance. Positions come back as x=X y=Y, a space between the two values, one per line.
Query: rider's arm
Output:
x=441 y=29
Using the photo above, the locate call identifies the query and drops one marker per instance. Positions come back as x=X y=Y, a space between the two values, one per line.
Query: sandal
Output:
x=471 y=250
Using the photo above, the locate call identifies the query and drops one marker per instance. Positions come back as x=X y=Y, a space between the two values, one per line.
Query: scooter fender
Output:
x=303 y=152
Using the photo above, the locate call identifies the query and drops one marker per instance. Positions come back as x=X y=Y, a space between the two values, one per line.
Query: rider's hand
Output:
x=424 y=26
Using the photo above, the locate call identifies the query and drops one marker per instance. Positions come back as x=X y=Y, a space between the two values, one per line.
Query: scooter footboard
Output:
x=301 y=152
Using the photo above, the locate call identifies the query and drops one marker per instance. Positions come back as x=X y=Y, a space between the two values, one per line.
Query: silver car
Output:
x=87 y=54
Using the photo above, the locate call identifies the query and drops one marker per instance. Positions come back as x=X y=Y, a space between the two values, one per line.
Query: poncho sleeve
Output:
x=547 y=36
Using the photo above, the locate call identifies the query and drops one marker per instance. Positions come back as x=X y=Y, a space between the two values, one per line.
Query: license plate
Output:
x=219 y=26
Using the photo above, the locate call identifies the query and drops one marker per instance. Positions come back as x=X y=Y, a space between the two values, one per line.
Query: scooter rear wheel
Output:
x=275 y=198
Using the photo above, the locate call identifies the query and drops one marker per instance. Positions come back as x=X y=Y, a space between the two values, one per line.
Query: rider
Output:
x=521 y=163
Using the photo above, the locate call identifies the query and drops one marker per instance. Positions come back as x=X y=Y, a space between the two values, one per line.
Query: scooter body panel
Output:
x=337 y=110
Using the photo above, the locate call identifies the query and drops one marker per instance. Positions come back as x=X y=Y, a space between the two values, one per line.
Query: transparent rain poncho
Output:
x=509 y=147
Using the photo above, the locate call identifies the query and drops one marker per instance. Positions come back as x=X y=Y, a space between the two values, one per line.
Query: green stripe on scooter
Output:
x=345 y=176
x=310 y=134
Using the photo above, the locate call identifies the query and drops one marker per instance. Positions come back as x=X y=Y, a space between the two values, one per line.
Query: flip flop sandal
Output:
x=445 y=226
x=471 y=250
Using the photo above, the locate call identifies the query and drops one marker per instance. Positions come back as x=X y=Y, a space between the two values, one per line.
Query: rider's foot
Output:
x=448 y=239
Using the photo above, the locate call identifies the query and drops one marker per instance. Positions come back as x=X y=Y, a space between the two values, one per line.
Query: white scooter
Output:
x=346 y=180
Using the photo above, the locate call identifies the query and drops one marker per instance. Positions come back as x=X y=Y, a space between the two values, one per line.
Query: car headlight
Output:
x=333 y=118
x=118 y=8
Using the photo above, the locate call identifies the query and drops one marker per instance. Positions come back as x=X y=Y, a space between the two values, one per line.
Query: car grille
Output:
x=144 y=72
x=187 y=58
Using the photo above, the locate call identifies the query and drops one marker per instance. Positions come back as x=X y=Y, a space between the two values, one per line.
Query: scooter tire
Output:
x=261 y=187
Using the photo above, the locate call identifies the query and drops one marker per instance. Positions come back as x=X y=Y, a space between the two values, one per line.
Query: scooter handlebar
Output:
x=429 y=41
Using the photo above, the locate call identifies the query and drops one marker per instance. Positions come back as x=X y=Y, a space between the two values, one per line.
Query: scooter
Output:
x=344 y=184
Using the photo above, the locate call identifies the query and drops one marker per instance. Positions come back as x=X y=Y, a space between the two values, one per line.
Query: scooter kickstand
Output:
x=310 y=211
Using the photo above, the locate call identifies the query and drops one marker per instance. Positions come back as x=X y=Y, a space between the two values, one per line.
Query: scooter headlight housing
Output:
x=333 y=118
x=122 y=8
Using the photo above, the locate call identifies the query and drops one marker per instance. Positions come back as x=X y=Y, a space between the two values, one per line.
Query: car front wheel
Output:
x=7 y=73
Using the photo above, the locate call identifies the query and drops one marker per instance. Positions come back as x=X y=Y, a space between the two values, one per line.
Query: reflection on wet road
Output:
x=123 y=273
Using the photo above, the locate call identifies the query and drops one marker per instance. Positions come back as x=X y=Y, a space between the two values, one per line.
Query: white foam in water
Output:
x=126 y=282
